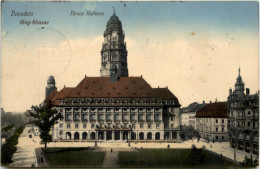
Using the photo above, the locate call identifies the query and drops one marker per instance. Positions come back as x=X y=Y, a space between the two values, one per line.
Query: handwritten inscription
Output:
x=33 y=22
x=26 y=13
x=86 y=13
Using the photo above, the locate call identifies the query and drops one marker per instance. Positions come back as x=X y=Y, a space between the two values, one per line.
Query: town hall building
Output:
x=114 y=106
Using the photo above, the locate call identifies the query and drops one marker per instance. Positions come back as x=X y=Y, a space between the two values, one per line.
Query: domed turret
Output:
x=51 y=80
x=50 y=86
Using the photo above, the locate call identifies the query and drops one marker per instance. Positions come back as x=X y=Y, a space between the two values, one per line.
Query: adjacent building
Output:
x=243 y=117
x=211 y=122
x=114 y=106
x=188 y=114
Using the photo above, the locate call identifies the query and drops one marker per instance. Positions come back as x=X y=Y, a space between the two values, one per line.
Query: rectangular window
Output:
x=157 y=117
x=222 y=129
x=93 y=117
x=171 y=125
x=216 y=137
x=141 y=126
x=132 y=117
x=133 y=126
x=248 y=124
x=92 y=125
x=61 y=125
x=248 y=113
x=216 y=129
x=141 y=116
x=149 y=126
x=216 y=120
x=117 y=117
x=84 y=116
x=84 y=125
x=149 y=117
x=76 y=126
x=223 y=137
x=222 y=120
x=68 y=126
x=157 y=126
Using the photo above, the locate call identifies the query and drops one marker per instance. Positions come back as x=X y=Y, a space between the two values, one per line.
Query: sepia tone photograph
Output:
x=130 y=84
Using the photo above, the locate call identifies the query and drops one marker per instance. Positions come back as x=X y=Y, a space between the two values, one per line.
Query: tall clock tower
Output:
x=114 y=53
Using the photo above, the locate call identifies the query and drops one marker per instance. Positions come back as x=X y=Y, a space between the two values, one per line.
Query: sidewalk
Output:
x=25 y=154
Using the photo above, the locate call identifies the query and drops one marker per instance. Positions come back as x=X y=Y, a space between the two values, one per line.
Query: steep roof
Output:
x=125 y=87
x=214 y=110
x=193 y=107
x=51 y=96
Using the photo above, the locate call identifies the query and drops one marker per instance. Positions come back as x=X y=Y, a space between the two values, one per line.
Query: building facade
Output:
x=188 y=114
x=211 y=122
x=243 y=118
x=115 y=106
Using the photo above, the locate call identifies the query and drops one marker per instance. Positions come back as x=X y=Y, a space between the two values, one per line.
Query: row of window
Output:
x=109 y=117
x=93 y=126
x=243 y=124
x=222 y=129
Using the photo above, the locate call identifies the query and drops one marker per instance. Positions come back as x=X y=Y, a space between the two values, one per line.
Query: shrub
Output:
x=249 y=162
x=196 y=156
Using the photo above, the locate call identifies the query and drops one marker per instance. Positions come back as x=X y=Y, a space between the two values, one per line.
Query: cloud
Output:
x=194 y=68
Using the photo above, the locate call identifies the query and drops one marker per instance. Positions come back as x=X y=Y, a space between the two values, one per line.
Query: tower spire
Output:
x=239 y=71
x=114 y=10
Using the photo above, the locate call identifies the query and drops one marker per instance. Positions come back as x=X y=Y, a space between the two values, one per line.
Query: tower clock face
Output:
x=114 y=34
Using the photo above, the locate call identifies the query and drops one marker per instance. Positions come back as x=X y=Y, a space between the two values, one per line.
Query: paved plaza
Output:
x=25 y=155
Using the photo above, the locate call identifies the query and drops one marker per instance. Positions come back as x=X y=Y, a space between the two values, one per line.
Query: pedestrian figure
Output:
x=168 y=146
x=111 y=150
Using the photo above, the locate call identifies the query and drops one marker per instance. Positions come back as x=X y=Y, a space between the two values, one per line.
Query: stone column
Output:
x=105 y=135
x=178 y=135
x=145 y=114
x=170 y=135
x=72 y=135
x=129 y=135
x=121 y=135
x=89 y=135
x=113 y=135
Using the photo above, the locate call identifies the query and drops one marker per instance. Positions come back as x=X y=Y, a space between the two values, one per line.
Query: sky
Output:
x=193 y=48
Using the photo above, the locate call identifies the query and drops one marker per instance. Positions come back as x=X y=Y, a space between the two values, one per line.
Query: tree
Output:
x=44 y=117
x=249 y=162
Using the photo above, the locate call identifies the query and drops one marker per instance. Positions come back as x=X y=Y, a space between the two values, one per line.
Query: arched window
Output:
x=141 y=136
x=84 y=136
x=76 y=136
x=157 y=136
x=149 y=136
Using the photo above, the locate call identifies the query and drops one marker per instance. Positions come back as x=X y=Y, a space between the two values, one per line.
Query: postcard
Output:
x=129 y=84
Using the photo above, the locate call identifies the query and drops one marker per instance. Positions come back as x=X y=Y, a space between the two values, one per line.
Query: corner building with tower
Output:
x=115 y=106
